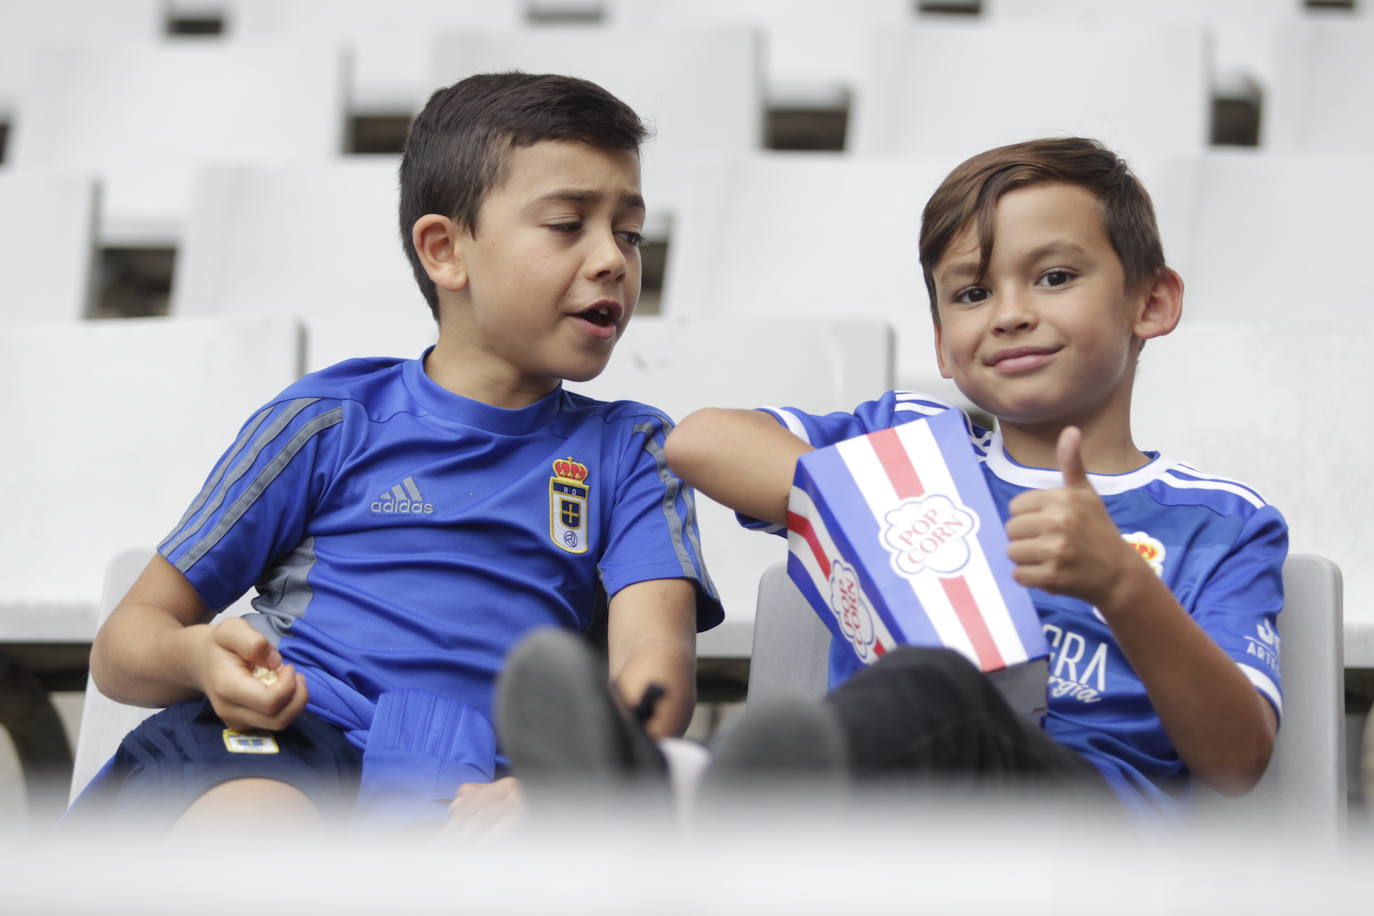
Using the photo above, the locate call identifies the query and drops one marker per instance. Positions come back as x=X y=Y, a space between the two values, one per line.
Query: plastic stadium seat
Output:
x=679 y=365
x=144 y=119
x=243 y=253
x=27 y=27
x=1323 y=88
x=701 y=89
x=954 y=89
x=815 y=50
x=386 y=41
x=116 y=428
x=1270 y=233
x=1277 y=405
x=40 y=278
x=1305 y=782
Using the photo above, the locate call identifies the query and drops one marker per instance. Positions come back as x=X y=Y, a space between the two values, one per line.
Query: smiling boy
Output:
x=1152 y=580
x=407 y=521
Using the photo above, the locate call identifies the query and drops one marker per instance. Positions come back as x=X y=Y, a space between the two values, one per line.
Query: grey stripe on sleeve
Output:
x=261 y=483
x=672 y=487
x=215 y=478
x=272 y=431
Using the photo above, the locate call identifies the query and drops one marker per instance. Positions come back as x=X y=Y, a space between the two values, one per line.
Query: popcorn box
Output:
x=894 y=539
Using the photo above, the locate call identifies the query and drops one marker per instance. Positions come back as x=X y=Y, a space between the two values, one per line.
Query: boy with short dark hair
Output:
x=407 y=521
x=1158 y=586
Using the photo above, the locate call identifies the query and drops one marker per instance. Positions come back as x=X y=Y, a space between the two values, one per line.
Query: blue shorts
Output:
x=180 y=753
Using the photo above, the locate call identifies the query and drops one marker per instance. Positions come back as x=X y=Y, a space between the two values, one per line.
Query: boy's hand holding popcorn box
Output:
x=894 y=539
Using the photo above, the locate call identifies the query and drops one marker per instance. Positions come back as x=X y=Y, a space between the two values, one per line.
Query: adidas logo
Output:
x=402 y=499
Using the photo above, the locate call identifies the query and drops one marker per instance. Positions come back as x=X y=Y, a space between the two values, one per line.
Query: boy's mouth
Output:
x=602 y=314
x=1019 y=359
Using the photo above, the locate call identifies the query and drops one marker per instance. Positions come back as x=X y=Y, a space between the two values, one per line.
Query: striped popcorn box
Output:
x=894 y=539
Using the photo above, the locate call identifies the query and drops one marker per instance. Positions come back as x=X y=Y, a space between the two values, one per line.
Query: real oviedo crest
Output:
x=568 y=505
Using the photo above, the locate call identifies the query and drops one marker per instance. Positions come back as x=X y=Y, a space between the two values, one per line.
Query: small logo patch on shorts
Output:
x=250 y=742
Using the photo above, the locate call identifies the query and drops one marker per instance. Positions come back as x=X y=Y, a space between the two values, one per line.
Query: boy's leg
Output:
x=175 y=759
x=929 y=713
x=261 y=802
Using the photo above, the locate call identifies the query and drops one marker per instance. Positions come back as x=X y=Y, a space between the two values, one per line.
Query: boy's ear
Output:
x=1162 y=308
x=940 y=352
x=436 y=240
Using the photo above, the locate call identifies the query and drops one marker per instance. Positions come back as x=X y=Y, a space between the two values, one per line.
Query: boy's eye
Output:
x=972 y=295
x=1056 y=277
x=568 y=227
x=631 y=238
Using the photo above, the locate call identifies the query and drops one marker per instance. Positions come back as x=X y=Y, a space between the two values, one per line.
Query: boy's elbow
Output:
x=1244 y=767
x=685 y=446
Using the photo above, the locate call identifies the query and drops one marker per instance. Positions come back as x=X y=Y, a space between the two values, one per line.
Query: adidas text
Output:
x=402 y=507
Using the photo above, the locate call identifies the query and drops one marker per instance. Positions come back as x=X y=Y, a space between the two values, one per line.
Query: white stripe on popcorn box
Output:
x=890 y=483
x=811 y=546
x=924 y=449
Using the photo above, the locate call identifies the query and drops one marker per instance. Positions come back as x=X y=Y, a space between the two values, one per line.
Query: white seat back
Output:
x=26 y=28
x=680 y=365
x=243 y=254
x=40 y=279
x=1276 y=406
x=955 y=89
x=1323 y=88
x=386 y=42
x=700 y=89
x=112 y=428
x=1257 y=227
x=144 y=119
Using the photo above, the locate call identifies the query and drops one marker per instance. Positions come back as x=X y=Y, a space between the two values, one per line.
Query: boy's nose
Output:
x=1012 y=313
x=607 y=260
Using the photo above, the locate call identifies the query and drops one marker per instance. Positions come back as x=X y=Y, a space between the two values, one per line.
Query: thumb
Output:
x=1069 y=453
x=236 y=635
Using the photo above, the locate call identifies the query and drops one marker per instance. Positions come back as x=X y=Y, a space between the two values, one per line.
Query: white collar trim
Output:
x=1001 y=464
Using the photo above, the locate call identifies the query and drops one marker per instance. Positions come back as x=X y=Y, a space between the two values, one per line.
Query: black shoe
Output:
x=563 y=728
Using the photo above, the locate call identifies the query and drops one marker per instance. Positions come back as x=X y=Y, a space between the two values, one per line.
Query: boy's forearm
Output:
x=651 y=639
x=740 y=458
x=143 y=657
x=1221 y=727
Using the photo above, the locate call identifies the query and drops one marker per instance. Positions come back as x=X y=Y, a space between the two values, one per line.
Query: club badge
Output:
x=568 y=492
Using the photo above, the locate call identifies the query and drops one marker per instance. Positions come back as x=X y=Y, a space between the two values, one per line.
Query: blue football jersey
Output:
x=1214 y=541
x=402 y=537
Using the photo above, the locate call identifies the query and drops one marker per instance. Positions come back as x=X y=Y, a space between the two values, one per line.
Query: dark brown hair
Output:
x=456 y=150
x=969 y=196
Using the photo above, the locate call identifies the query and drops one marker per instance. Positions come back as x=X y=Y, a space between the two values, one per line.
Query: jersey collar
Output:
x=1004 y=468
x=443 y=403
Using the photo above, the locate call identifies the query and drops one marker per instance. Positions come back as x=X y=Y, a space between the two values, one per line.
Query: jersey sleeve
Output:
x=821 y=430
x=1240 y=601
x=257 y=502
x=653 y=526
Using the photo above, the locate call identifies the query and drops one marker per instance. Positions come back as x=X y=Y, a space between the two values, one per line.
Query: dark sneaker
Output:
x=563 y=728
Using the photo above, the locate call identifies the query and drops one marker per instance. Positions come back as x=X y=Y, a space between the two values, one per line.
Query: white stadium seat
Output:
x=700 y=89
x=120 y=422
x=386 y=42
x=144 y=119
x=1323 y=88
x=42 y=279
x=319 y=242
x=954 y=89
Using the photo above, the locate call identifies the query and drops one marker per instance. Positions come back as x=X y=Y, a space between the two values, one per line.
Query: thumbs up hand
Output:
x=1062 y=540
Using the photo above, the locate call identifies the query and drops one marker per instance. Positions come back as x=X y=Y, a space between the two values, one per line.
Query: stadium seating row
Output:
x=144 y=115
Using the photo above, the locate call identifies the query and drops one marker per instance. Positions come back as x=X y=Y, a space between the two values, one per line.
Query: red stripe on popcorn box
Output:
x=903 y=514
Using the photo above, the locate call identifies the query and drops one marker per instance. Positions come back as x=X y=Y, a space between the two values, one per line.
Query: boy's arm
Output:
x=155 y=649
x=740 y=458
x=1063 y=541
x=651 y=639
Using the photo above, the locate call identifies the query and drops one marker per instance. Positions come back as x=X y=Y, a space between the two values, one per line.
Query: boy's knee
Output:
x=255 y=800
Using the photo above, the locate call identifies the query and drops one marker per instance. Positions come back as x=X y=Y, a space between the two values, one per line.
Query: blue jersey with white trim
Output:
x=1214 y=541
x=403 y=537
